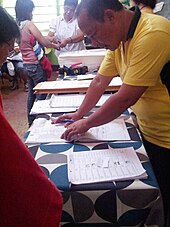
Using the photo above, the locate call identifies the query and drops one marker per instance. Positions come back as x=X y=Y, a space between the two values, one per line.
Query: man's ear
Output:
x=109 y=15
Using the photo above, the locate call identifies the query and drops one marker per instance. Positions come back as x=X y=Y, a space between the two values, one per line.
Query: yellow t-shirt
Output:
x=139 y=62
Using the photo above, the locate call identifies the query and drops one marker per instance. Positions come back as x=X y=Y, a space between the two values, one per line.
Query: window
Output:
x=44 y=11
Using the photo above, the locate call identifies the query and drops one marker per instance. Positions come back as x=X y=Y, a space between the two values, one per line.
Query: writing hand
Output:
x=75 y=129
x=66 y=117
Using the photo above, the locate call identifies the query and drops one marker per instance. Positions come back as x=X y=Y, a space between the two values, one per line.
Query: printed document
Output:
x=74 y=100
x=104 y=165
x=43 y=131
x=43 y=106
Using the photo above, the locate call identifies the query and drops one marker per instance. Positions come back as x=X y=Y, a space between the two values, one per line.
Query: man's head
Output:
x=100 y=20
x=69 y=9
x=9 y=31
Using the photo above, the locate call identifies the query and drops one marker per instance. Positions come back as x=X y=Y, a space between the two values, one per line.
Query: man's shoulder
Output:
x=154 y=22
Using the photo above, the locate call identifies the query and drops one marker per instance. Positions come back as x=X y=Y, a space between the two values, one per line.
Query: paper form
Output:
x=86 y=76
x=43 y=131
x=43 y=106
x=114 y=130
x=72 y=100
x=104 y=165
x=62 y=84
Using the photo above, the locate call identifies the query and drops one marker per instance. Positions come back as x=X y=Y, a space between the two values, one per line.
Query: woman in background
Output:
x=36 y=64
x=27 y=197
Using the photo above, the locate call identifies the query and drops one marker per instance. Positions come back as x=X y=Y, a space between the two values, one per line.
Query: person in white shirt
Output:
x=64 y=29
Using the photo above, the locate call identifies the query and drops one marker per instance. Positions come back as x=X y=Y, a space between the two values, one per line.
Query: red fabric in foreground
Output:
x=27 y=197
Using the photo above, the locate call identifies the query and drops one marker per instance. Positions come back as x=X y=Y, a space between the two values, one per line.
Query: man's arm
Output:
x=111 y=109
x=126 y=97
x=94 y=92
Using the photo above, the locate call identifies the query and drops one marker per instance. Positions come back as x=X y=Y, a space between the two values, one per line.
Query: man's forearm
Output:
x=94 y=92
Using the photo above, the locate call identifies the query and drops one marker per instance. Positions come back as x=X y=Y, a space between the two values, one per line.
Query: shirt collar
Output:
x=134 y=22
x=62 y=19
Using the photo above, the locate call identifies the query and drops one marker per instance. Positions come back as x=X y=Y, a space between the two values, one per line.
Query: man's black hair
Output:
x=71 y=3
x=96 y=8
x=8 y=27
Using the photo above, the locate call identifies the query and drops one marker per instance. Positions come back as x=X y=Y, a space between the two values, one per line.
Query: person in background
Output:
x=8 y=72
x=13 y=68
x=27 y=196
x=36 y=64
x=16 y=58
x=144 y=5
x=139 y=51
x=64 y=29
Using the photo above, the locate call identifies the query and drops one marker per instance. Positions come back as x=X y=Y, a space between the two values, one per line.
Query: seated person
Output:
x=8 y=72
x=64 y=29
x=12 y=68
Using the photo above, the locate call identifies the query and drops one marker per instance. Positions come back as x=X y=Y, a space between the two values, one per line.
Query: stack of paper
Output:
x=43 y=131
x=74 y=100
x=62 y=103
x=104 y=165
x=43 y=106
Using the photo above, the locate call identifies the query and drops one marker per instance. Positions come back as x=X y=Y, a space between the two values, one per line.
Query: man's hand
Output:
x=56 y=46
x=64 y=117
x=74 y=130
x=64 y=43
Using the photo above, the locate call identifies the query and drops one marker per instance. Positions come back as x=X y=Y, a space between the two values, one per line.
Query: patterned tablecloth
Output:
x=124 y=203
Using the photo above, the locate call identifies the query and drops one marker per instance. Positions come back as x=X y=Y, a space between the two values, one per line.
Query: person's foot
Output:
x=26 y=87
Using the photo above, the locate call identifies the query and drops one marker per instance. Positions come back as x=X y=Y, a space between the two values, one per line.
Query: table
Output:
x=72 y=86
x=125 y=203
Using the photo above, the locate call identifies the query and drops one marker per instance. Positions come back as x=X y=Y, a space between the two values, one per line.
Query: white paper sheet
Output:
x=43 y=131
x=72 y=100
x=43 y=106
x=104 y=165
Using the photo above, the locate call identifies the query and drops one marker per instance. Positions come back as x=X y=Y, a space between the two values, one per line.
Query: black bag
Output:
x=73 y=70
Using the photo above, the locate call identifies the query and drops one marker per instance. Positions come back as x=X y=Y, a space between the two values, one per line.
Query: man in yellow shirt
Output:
x=139 y=47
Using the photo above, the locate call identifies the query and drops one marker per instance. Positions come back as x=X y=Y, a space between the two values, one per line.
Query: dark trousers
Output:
x=160 y=160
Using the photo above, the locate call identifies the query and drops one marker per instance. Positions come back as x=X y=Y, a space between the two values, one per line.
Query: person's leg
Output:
x=160 y=160
x=40 y=77
x=35 y=75
x=30 y=100
x=19 y=69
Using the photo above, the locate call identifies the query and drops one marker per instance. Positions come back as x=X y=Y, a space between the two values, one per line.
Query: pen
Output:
x=63 y=121
x=68 y=120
